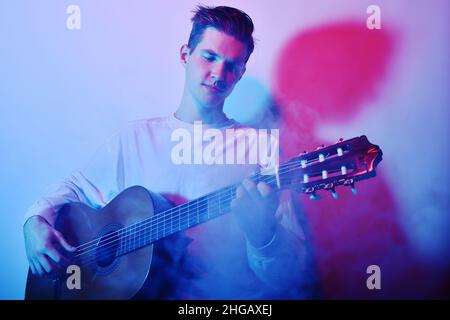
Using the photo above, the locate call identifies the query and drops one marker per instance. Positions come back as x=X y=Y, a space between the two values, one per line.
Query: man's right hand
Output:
x=41 y=244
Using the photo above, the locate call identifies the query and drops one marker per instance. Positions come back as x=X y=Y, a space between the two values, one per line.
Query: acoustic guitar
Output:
x=114 y=245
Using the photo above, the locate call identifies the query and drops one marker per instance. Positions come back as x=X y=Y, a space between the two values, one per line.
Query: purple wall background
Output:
x=62 y=92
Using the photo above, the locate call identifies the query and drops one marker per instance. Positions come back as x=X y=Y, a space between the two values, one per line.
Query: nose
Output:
x=218 y=72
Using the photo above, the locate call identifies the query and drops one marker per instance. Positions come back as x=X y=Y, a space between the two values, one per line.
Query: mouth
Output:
x=214 y=89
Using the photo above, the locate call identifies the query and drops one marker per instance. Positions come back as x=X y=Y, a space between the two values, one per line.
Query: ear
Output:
x=184 y=54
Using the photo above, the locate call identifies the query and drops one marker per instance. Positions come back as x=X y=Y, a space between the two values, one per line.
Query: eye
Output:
x=208 y=57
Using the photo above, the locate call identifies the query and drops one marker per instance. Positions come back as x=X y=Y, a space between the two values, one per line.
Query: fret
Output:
x=133 y=239
x=188 y=222
x=220 y=200
x=185 y=224
x=127 y=240
x=120 y=250
x=146 y=234
x=153 y=228
x=141 y=236
x=124 y=241
x=156 y=228
x=130 y=239
x=164 y=221
x=167 y=224
x=214 y=205
x=179 y=223
x=197 y=211
x=138 y=236
x=210 y=203
x=207 y=215
x=160 y=226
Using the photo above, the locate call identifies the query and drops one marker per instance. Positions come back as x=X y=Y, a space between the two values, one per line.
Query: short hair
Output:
x=231 y=21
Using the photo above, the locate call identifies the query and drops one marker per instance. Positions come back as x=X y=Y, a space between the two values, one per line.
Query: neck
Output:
x=191 y=110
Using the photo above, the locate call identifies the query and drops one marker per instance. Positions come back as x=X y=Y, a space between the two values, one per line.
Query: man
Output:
x=255 y=253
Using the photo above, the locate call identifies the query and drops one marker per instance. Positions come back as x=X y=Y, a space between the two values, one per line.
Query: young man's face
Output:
x=213 y=67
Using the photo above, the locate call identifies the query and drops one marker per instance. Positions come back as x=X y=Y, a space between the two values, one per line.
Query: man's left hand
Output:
x=254 y=208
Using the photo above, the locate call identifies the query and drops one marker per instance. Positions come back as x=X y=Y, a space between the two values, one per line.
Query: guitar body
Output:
x=104 y=276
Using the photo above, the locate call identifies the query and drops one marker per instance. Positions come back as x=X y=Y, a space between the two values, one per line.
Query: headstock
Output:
x=340 y=164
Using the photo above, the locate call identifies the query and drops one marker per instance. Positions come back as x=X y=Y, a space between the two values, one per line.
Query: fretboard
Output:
x=176 y=219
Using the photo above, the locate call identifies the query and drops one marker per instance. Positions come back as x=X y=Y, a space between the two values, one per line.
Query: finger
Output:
x=240 y=192
x=54 y=255
x=250 y=188
x=39 y=269
x=32 y=268
x=45 y=264
x=233 y=204
x=264 y=190
x=63 y=242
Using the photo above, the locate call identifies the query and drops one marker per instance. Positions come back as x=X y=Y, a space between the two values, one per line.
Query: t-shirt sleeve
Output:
x=95 y=184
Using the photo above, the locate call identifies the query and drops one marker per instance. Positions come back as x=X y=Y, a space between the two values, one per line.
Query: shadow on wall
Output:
x=252 y=104
x=329 y=74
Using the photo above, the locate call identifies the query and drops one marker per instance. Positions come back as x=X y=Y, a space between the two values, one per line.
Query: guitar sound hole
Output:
x=107 y=249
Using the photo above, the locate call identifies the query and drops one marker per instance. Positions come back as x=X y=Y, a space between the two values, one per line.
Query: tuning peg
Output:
x=330 y=186
x=340 y=140
x=314 y=196
x=354 y=191
x=334 y=194
x=351 y=183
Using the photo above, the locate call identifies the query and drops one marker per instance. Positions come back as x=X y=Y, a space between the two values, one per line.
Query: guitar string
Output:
x=146 y=238
x=183 y=220
x=168 y=216
x=117 y=239
x=94 y=258
x=284 y=169
x=156 y=219
x=161 y=215
x=141 y=238
x=142 y=235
